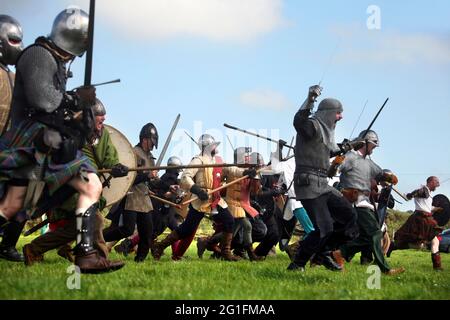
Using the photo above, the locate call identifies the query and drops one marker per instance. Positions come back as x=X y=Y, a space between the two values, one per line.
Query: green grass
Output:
x=212 y=279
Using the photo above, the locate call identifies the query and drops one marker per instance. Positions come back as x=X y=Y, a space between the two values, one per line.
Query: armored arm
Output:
x=38 y=69
x=301 y=119
x=418 y=193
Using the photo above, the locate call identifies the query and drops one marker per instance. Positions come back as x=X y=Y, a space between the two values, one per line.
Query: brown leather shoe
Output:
x=252 y=255
x=66 y=253
x=94 y=263
x=337 y=256
x=201 y=246
x=30 y=256
x=158 y=247
x=393 y=272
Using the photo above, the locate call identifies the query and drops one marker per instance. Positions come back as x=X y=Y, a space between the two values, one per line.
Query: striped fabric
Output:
x=19 y=159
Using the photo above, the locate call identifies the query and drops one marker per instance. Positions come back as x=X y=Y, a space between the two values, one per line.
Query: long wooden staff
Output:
x=193 y=166
x=152 y=195
x=222 y=187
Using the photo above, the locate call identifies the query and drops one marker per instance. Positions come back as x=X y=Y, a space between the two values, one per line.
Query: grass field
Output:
x=193 y=278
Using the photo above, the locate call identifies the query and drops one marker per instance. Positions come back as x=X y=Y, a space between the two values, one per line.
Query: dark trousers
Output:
x=270 y=239
x=11 y=233
x=194 y=217
x=55 y=239
x=370 y=235
x=334 y=220
x=164 y=218
x=66 y=234
x=130 y=219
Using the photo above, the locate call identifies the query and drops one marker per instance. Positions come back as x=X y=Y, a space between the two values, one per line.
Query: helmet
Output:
x=330 y=104
x=174 y=161
x=257 y=159
x=70 y=31
x=242 y=154
x=98 y=108
x=206 y=142
x=11 y=36
x=370 y=136
x=149 y=131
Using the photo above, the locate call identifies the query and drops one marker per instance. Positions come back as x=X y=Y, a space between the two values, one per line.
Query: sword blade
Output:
x=90 y=49
x=166 y=144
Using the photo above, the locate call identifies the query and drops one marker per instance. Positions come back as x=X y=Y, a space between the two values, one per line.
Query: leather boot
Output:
x=201 y=246
x=30 y=255
x=11 y=235
x=158 y=248
x=337 y=256
x=86 y=257
x=66 y=253
x=292 y=249
x=251 y=254
x=328 y=261
x=225 y=247
x=11 y=254
x=436 y=259
x=393 y=272
x=124 y=247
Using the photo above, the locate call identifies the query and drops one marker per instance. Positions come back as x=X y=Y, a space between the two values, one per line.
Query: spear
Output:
x=223 y=187
x=193 y=166
x=259 y=136
x=152 y=195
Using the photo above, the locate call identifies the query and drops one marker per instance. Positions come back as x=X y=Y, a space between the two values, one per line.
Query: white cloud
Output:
x=265 y=99
x=357 y=44
x=218 y=20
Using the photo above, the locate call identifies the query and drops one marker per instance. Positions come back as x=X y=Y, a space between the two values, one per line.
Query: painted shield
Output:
x=118 y=187
x=6 y=84
x=441 y=217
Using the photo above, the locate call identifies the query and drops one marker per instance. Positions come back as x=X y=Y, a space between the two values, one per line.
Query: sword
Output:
x=259 y=136
x=193 y=140
x=400 y=194
x=375 y=118
x=104 y=83
x=166 y=144
x=90 y=49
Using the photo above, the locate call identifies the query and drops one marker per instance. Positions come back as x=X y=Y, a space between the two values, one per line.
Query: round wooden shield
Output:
x=118 y=187
x=442 y=217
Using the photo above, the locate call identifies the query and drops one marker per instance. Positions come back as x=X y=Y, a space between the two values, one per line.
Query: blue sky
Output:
x=249 y=63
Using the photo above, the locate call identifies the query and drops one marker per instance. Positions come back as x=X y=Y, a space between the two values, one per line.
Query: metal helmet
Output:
x=174 y=161
x=11 y=36
x=149 y=131
x=98 y=108
x=206 y=142
x=256 y=158
x=330 y=104
x=242 y=155
x=370 y=136
x=70 y=31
